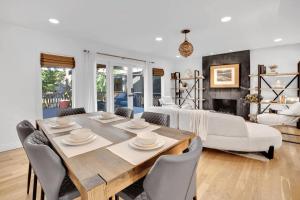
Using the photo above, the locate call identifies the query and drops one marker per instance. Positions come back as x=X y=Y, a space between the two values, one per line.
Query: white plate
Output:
x=106 y=118
x=58 y=126
x=158 y=145
x=137 y=126
x=70 y=140
x=77 y=143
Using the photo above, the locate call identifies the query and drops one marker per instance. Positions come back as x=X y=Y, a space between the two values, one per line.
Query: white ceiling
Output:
x=134 y=24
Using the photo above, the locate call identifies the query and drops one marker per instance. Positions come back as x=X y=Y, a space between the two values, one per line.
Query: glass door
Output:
x=120 y=84
x=137 y=90
x=128 y=87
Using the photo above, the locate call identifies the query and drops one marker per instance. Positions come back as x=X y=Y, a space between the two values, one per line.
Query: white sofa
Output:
x=285 y=117
x=228 y=132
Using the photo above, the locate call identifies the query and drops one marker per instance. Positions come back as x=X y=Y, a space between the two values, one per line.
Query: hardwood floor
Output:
x=221 y=176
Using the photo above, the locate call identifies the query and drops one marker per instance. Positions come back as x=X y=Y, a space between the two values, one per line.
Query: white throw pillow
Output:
x=293 y=110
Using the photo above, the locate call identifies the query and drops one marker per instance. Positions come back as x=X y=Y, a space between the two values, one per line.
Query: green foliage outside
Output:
x=101 y=84
x=51 y=79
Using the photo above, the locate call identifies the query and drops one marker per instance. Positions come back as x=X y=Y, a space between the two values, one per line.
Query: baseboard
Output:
x=7 y=147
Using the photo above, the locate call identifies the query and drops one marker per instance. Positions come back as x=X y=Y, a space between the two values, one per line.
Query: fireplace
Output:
x=225 y=106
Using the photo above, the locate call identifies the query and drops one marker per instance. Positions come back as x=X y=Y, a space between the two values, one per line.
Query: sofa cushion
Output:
x=262 y=135
x=226 y=125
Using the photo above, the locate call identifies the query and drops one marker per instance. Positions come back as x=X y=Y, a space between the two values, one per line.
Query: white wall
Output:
x=20 y=82
x=286 y=57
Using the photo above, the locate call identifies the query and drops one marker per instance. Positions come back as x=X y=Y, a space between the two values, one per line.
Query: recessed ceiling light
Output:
x=230 y=50
x=159 y=39
x=278 y=40
x=226 y=19
x=178 y=56
x=53 y=21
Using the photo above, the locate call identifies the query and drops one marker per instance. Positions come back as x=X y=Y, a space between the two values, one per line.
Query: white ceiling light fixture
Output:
x=54 y=21
x=159 y=39
x=226 y=19
x=278 y=40
x=230 y=50
x=211 y=53
x=178 y=56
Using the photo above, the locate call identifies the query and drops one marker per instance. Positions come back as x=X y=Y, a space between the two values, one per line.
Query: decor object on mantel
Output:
x=186 y=48
x=273 y=69
x=253 y=98
x=225 y=76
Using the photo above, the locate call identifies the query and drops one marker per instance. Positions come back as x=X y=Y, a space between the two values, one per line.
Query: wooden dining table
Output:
x=100 y=174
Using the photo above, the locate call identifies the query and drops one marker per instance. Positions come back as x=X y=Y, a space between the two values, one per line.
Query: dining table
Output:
x=100 y=173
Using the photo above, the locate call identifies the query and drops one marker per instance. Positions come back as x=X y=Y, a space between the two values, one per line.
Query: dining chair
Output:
x=71 y=111
x=157 y=118
x=124 y=112
x=49 y=169
x=25 y=128
x=171 y=177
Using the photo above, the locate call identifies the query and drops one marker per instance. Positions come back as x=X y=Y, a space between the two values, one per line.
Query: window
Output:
x=56 y=75
x=156 y=79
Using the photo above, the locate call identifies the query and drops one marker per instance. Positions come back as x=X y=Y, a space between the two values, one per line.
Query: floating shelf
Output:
x=276 y=74
x=274 y=89
x=189 y=78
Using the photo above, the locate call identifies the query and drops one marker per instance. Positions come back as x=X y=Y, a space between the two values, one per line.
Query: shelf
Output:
x=189 y=98
x=274 y=89
x=192 y=78
x=277 y=74
x=266 y=103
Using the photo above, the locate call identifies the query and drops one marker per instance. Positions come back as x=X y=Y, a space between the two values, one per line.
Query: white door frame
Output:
x=110 y=63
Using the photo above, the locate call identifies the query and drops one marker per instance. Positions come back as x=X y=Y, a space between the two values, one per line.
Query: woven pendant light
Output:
x=186 y=48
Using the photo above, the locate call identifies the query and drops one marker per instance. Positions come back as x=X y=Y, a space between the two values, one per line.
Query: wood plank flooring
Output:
x=220 y=176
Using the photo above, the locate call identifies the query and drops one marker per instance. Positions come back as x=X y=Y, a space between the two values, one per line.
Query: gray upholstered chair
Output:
x=71 y=111
x=49 y=169
x=157 y=118
x=124 y=112
x=171 y=177
x=25 y=128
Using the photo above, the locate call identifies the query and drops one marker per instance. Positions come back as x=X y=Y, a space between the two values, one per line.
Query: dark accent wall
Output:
x=242 y=58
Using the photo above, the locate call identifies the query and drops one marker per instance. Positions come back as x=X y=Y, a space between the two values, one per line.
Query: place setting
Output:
x=61 y=124
x=137 y=126
x=142 y=147
x=80 y=141
x=106 y=117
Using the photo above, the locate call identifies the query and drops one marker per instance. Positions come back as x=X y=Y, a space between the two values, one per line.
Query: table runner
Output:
x=136 y=157
x=117 y=118
x=71 y=151
x=150 y=128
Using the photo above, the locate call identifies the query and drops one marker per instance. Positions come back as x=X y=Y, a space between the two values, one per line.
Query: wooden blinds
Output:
x=158 y=72
x=48 y=60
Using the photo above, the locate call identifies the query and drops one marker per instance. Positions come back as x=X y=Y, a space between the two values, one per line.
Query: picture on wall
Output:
x=225 y=76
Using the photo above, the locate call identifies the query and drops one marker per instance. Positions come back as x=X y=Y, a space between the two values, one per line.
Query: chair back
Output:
x=71 y=111
x=173 y=176
x=24 y=128
x=124 y=112
x=46 y=164
x=157 y=118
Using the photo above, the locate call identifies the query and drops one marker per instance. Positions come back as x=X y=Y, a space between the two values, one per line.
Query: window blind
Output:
x=48 y=60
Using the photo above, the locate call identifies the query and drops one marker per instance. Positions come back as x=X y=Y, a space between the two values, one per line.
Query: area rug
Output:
x=255 y=156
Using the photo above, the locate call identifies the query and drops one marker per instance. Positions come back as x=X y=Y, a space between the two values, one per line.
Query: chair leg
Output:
x=116 y=197
x=42 y=194
x=195 y=198
x=34 y=188
x=28 y=178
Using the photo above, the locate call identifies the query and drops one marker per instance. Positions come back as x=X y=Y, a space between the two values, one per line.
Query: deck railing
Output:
x=51 y=100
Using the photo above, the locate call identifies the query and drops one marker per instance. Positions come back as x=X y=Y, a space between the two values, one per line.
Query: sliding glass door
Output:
x=120 y=85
